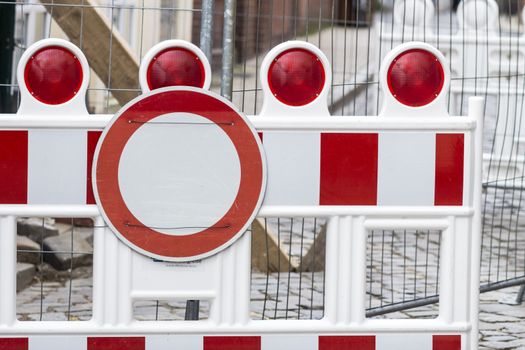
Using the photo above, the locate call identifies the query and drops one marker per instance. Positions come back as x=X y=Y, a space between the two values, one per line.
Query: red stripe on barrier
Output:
x=92 y=139
x=13 y=167
x=348 y=169
x=350 y=342
x=232 y=343
x=13 y=344
x=116 y=343
x=446 y=342
x=260 y=135
x=449 y=169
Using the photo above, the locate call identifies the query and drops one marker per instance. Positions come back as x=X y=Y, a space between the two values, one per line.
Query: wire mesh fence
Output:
x=486 y=57
x=403 y=270
x=54 y=269
x=288 y=282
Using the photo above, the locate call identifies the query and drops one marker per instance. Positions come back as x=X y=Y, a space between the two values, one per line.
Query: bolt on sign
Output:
x=178 y=174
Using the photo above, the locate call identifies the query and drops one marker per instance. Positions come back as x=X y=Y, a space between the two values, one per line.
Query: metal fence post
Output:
x=206 y=28
x=192 y=310
x=7 y=44
x=521 y=293
x=228 y=45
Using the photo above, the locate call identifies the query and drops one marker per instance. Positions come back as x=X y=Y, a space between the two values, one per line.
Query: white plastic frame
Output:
x=32 y=106
x=272 y=106
x=167 y=44
x=392 y=107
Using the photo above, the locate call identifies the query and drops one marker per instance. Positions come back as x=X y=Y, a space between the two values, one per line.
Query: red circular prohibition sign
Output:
x=106 y=175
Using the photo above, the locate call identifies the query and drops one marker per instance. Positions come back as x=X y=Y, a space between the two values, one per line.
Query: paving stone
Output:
x=24 y=275
x=516 y=343
x=81 y=231
x=28 y=251
x=493 y=318
x=515 y=311
x=489 y=326
x=36 y=229
x=515 y=327
x=498 y=345
x=423 y=313
x=60 y=255
x=486 y=333
x=498 y=338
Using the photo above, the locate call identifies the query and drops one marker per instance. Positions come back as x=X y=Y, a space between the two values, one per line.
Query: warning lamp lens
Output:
x=296 y=77
x=175 y=66
x=415 y=77
x=53 y=75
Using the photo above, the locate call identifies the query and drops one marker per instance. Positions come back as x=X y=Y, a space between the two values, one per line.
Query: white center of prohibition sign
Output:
x=179 y=173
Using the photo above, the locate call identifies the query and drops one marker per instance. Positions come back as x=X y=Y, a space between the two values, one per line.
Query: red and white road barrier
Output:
x=178 y=174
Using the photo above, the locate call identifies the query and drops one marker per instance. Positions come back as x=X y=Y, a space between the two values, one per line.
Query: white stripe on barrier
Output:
x=294 y=174
x=56 y=166
x=174 y=342
x=403 y=342
x=57 y=342
x=289 y=342
x=406 y=168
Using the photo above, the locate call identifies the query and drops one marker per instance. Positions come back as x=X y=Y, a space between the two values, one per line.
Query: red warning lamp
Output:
x=175 y=66
x=415 y=77
x=53 y=75
x=296 y=77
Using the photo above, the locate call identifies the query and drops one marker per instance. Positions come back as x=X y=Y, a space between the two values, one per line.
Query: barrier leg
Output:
x=7 y=270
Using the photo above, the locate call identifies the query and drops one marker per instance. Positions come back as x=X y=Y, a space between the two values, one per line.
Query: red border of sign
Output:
x=207 y=241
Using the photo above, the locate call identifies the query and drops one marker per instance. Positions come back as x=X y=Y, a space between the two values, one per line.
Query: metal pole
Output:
x=192 y=310
x=228 y=45
x=521 y=293
x=207 y=28
x=7 y=45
